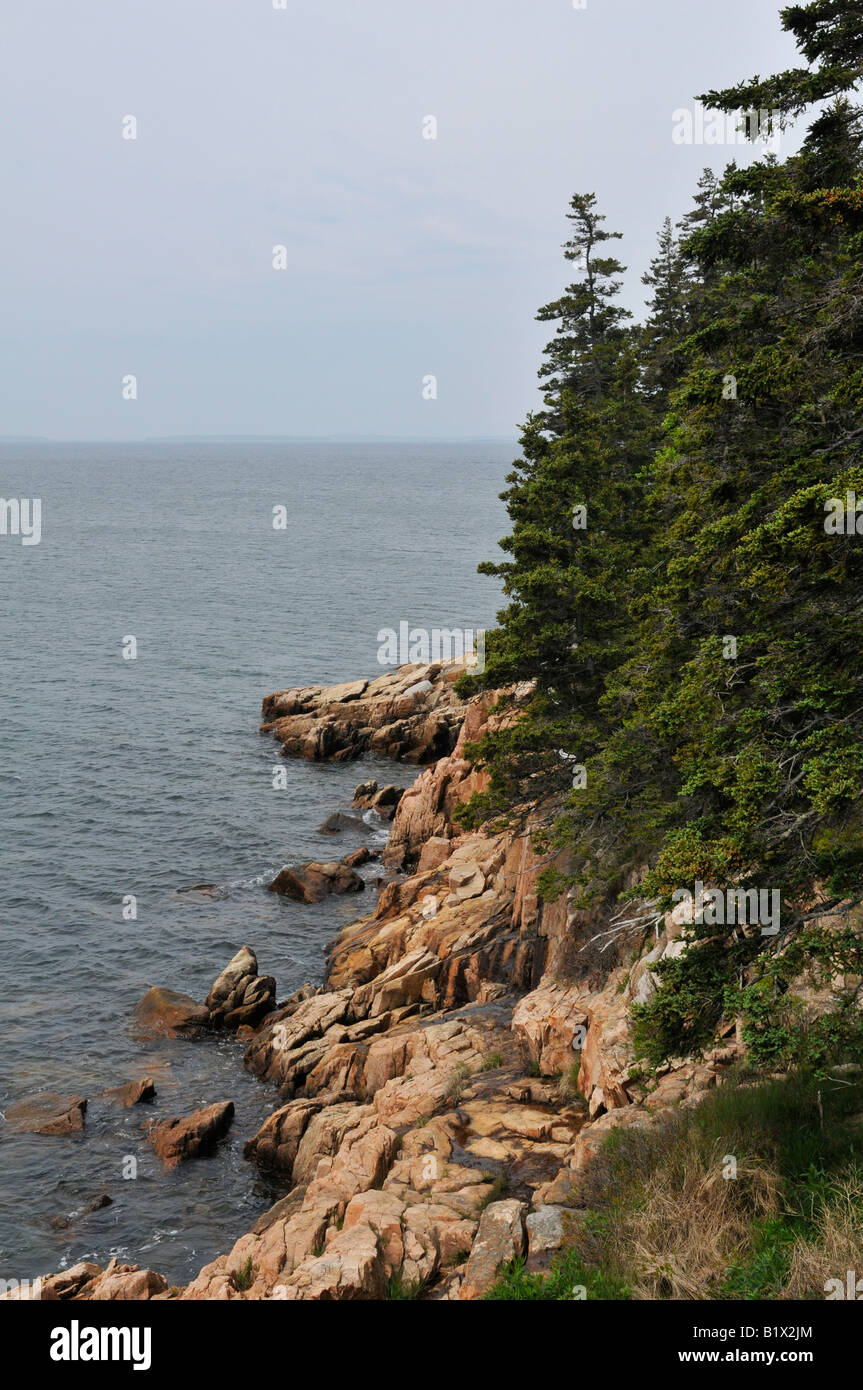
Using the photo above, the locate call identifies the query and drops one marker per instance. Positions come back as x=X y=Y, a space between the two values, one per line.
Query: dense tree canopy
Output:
x=684 y=574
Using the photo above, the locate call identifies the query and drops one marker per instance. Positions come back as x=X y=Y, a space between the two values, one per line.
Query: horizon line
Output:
x=261 y=438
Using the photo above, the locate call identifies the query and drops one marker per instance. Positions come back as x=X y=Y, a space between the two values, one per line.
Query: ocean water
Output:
x=144 y=777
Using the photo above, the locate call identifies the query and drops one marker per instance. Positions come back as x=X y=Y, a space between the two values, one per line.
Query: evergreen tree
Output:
x=669 y=317
x=580 y=359
x=828 y=33
x=572 y=499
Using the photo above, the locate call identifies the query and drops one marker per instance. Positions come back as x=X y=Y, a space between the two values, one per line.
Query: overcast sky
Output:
x=303 y=127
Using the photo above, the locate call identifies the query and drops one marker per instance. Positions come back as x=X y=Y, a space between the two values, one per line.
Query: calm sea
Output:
x=144 y=777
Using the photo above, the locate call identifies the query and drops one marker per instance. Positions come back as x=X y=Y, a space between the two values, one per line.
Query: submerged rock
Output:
x=47 y=1113
x=202 y=890
x=133 y=1093
x=167 y=1014
x=97 y=1203
x=338 y=821
x=66 y=1223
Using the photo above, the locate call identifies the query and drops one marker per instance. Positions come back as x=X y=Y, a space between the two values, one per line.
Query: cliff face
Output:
x=444 y=1089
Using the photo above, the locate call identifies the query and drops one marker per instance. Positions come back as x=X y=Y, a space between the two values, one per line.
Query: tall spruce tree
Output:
x=571 y=500
x=669 y=317
x=580 y=359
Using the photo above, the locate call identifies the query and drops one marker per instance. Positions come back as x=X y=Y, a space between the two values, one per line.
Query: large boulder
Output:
x=47 y=1113
x=399 y=985
x=165 y=1013
x=240 y=995
x=500 y=1240
x=544 y=1230
x=436 y=851
x=312 y=882
x=188 y=1136
x=552 y=1025
x=278 y=1140
x=591 y=1139
x=384 y=800
x=466 y=881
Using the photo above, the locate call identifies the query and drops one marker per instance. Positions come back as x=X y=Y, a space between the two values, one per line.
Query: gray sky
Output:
x=303 y=127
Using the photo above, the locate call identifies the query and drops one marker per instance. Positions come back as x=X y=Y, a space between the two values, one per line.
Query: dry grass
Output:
x=690 y=1223
x=836 y=1245
x=664 y=1218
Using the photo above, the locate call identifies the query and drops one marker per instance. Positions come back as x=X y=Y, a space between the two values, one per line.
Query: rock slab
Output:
x=189 y=1136
x=47 y=1113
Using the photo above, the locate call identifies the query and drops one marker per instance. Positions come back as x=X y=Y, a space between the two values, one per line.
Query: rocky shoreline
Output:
x=442 y=1092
